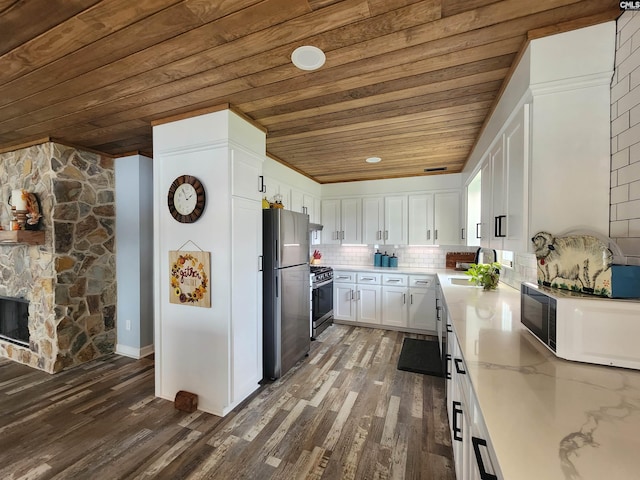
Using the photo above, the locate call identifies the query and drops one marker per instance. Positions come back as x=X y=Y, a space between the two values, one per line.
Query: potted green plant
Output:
x=486 y=275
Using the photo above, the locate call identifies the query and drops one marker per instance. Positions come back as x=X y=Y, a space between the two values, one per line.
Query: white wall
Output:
x=134 y=255
x=625 y=137
x=193 y=344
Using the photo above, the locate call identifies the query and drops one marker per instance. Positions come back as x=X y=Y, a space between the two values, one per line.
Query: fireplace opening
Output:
x=14 y=320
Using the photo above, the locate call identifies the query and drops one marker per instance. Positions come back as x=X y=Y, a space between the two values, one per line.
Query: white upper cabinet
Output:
x=516 y=144
x=421 y=219
x=305 y=203
x=434 y=219
x=342 y=221
x=446 y=217
x=373 y=220
x=275 y=189
x=396 y=231
x=473 y=199
x=245 y=170
x=503 y=220
x=384 y=220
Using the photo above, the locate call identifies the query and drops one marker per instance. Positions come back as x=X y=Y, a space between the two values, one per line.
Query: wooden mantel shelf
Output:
x=25 y=237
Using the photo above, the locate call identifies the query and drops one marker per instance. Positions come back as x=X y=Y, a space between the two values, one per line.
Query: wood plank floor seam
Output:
x=345 y=412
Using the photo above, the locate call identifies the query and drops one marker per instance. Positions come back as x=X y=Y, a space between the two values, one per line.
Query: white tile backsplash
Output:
x=625 y=141
x=408 y=256
x=524 y=270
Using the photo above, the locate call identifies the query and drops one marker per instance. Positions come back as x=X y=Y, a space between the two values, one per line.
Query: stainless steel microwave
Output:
x=538 y=312
x=581 y=327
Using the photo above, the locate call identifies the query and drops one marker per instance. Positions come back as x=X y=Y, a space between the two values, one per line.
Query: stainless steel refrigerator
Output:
x=286 y=288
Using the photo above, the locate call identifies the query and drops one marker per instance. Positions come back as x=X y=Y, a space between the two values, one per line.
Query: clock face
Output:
x=186 y=199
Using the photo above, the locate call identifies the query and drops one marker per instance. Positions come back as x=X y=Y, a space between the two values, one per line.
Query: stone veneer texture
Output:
x=70 y=281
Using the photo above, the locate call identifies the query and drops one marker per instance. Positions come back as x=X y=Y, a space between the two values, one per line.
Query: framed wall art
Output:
x=189 y=278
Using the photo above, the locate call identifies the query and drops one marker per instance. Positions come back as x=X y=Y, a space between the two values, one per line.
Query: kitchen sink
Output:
x=461 y=281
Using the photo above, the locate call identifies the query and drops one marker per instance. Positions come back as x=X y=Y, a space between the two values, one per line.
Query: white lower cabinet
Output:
x=369 y=300
x=398 y=301
x=473 y=453
x=422 y=302
x=344 y=307
x=357 y=297
x=394 y=306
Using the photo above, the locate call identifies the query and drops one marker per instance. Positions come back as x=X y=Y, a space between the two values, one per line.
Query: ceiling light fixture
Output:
x=308 y=57
x=373 y=160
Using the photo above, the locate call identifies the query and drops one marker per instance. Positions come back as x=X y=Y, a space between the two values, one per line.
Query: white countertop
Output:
x=547 y=418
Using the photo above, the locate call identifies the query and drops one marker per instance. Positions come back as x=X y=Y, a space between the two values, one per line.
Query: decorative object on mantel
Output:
x=189 y=277
x=25 y=210
x=584 y=263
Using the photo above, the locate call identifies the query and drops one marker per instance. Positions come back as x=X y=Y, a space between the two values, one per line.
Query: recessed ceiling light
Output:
x=308 y=57
x=373 y=159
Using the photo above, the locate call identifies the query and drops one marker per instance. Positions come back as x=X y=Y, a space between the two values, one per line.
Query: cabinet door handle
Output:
x=457 y=430
x=428 y=234
x=263 y=187
x=370 y=279
x=351 y=291
x=341 y=234
x=411 y=298
x=460 y=370
x=260 y=263
x=358 y=297
x=449 y=328
x=393 y=280
x=497 y=226
x=435 y=234
x=342 y=277
x=484 y=475
x=447 y=370
x=379 y=235
x=404 y=298
x=478 y=235
x=422 y=282
x=462 y=233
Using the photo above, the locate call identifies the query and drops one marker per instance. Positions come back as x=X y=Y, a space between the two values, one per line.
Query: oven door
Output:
x=537 y=313
x=321 y=302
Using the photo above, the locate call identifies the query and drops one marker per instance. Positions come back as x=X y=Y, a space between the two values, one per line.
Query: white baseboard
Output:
x=133 y=352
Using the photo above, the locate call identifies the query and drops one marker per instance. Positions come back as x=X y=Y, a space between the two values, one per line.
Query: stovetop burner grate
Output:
x=320 y=269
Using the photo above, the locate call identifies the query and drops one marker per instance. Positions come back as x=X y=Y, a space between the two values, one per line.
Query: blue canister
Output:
x=385 y=260
x=377 y=259
x=393 y=261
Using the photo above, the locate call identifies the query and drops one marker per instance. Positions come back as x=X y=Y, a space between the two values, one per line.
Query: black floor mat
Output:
x=421 y=356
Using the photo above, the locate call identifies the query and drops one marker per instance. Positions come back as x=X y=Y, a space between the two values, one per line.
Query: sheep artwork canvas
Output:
x=580 y=263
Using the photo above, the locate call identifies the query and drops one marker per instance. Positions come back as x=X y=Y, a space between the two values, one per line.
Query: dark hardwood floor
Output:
x=345 y=412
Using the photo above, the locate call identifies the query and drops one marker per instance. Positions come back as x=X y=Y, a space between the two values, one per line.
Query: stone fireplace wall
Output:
x=70 y=281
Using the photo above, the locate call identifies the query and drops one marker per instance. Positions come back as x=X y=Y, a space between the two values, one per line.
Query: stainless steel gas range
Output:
x=321 y=299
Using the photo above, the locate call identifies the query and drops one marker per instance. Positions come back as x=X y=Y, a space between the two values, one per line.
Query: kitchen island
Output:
x=546 y=418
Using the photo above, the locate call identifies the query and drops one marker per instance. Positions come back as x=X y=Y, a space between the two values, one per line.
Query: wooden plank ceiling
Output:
x=410 y=81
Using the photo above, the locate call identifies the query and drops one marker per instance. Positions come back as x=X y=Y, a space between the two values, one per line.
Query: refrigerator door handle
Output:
x=260 y=263
x=277 y=289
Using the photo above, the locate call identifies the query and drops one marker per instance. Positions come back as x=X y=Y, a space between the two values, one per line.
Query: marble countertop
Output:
x=547 y=418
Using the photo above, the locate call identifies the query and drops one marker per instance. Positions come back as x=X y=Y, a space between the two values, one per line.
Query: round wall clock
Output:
x=186 y=199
